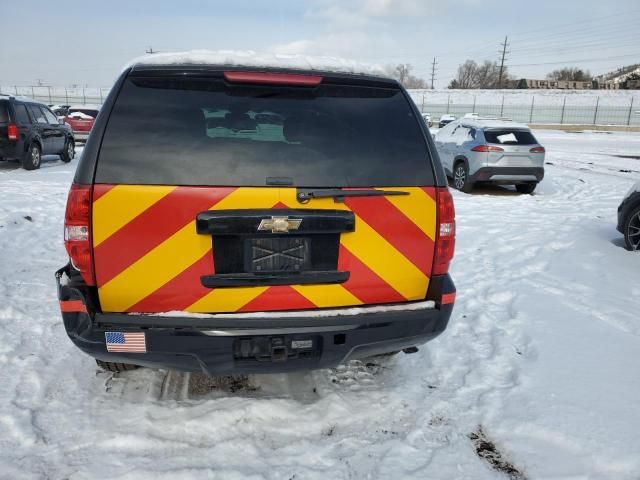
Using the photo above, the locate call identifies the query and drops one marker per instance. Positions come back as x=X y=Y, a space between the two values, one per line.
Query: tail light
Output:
x=445 y=232
x=487 y=148
x=77 y=231
x=537 y=150
x=12 y=132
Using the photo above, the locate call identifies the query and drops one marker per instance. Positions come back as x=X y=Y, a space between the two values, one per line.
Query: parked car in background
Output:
x=29 y=130
x=354 y=266
x=81 y=119
x=60 y=110
x=446 y=119
x=629 y=218
x=427 y=119
x=489 y=150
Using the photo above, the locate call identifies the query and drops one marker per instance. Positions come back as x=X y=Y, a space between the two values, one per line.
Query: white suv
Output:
x=490 y=150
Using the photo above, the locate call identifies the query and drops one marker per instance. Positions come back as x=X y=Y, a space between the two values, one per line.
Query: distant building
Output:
x=628 y=84
x=633 y=84
x=549 y=84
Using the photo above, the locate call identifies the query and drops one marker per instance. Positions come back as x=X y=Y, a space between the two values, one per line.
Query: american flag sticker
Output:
x=132 y=342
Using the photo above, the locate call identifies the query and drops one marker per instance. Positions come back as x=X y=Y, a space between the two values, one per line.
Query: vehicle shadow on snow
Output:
x=48 y=161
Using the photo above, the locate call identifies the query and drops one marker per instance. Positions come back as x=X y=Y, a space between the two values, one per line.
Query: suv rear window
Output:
x=207 y=132
x=4 y=114
x=510 y=137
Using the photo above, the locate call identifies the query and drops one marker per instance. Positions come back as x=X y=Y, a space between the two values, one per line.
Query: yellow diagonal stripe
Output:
x=155 y=269
x=174 y=255
x=327 y=295
x=418 y=207
x=387 y=262
x=226 y=299
x=120 y=205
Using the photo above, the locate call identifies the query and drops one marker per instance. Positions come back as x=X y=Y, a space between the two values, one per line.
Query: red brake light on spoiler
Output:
x=273 y=78
x=77 y=231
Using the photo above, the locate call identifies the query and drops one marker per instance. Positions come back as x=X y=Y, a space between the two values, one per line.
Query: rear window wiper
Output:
x=338 y=195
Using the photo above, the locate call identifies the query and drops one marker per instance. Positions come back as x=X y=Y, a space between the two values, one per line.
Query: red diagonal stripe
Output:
x=431 y=191
x=100 y=189
x=363 y=282
x=151 y=228
x=278 y=298
x=386 y=219
x=179 y=292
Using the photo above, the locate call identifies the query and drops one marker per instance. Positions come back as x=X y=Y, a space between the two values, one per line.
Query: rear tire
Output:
x=526 y=188
x=115 y=367
x=632 y=231
x=461 y=178
x=32 y=159
x=69 y=151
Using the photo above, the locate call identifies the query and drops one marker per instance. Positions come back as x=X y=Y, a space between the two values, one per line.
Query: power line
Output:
x=433 y=71
x=504 y=53
x=583 y=60
x=597 y=21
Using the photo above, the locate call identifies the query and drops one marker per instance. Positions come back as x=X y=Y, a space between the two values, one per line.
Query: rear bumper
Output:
x=81 y=136
x=217 y=344
x=11 y=150
x=508 y=175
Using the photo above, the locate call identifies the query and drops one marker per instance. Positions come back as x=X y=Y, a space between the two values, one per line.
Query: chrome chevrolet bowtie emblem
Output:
x=279 y=224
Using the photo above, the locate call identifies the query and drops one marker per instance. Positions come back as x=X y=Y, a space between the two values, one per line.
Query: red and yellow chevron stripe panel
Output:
x=149 y=258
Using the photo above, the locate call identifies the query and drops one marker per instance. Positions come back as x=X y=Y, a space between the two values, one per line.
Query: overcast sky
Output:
x=85 y=42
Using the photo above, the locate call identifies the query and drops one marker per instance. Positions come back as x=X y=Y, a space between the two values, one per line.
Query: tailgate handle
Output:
x=247 y=222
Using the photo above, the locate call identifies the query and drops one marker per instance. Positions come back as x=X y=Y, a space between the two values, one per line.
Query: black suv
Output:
x=29 y=130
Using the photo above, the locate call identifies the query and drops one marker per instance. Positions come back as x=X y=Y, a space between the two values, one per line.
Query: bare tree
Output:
x=472 y=75
x=402 y=73
x=572 y=74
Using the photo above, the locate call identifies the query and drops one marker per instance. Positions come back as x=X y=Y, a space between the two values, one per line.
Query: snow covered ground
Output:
x=538 y=370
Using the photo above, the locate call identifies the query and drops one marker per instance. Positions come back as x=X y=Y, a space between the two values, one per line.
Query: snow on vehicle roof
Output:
x=80 y=115
x=249 y=58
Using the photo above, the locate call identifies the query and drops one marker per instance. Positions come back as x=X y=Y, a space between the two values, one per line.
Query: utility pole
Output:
x=433 y=72
x=504 y=53
x=150 y=50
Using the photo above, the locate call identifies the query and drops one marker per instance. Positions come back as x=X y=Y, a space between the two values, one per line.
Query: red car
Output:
x=81 y=118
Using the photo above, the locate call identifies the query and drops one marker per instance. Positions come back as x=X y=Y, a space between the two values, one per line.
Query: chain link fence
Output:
x=532 y=108
x=599 y=111
x=58 y=95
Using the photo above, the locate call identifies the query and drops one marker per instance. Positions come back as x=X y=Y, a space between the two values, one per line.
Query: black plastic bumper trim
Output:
x=488 y=172
x=257 y=279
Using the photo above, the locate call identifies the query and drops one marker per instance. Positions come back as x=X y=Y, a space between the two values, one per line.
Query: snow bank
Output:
x=249 y=58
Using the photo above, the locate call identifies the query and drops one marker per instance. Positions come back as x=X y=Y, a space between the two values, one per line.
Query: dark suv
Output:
x=255 y=220
x=29 y=130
